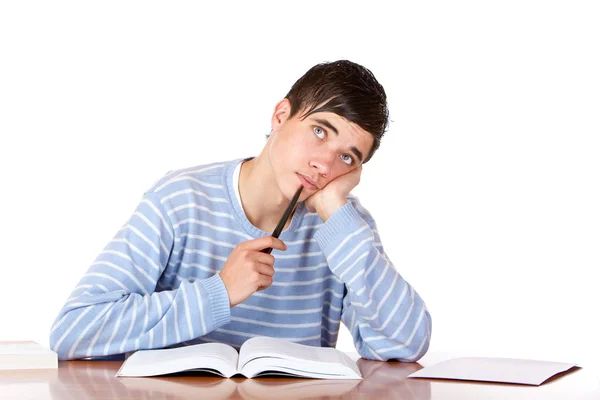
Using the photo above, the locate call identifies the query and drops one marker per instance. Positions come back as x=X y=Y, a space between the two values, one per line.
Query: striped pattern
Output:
x=156 y=284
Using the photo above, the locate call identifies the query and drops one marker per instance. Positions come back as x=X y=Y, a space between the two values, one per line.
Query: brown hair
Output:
x=346 y=89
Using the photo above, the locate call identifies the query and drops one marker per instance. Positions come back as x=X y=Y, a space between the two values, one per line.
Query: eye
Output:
x=319 y=131
x=347 y=160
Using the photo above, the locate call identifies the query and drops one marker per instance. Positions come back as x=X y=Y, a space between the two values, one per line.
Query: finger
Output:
x=262 y=258
x=264 y=282
x=358 y=170
x=263 y=243
x=265 y=269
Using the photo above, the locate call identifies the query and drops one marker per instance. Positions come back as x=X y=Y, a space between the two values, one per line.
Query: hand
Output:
x=247 y=269
x=330 y=198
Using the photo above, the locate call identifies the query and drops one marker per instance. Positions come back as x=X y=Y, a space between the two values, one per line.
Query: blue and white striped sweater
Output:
x=156 y=283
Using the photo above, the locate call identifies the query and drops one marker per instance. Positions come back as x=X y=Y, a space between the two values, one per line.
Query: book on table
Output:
x=26 y=355
x=258 y=356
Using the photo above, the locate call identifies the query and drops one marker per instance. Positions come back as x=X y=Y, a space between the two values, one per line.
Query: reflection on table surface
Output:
x=96 y=380
x=77 y=380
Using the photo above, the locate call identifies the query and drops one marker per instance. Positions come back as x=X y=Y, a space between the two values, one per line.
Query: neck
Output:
x=262 y=201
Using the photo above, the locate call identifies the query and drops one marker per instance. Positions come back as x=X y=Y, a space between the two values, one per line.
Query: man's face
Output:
x=321 y=147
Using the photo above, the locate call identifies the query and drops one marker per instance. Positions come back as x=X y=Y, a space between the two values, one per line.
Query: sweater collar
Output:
x=240 y=215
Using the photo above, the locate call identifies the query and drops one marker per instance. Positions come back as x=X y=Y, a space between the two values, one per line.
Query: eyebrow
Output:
x=328 y=125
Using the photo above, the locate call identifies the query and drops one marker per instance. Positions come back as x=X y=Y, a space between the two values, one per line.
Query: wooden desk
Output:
x=78 y=380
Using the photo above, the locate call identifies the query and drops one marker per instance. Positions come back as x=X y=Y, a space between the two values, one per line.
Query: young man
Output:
x=187 y=268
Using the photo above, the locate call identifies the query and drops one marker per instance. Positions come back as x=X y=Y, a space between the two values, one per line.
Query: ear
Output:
x=281 y=113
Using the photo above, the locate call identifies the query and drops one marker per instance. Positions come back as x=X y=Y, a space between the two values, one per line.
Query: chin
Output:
x=285 y=186
x=291 y=192
x=293 y=188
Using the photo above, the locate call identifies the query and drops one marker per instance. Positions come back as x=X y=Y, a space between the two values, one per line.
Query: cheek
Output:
x=334 y=175
x=299 y=147
x=302 y=140
x=290 y=151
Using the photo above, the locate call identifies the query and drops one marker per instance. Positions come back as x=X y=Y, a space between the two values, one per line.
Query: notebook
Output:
x=490 y=369
x=26 y=355
x=258 y=356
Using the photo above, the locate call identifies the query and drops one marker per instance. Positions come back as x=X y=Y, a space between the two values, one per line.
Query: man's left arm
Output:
x=386 y=316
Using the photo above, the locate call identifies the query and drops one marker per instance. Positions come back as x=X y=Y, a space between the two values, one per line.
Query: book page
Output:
x=23 y=348
x=266 y=350
x=262 y=367
x=213 y=356
x=26 y=355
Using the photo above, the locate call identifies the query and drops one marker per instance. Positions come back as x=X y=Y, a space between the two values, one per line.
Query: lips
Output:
x=307 y=182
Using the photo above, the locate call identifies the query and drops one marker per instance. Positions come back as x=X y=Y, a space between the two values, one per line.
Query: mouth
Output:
x=307 y=182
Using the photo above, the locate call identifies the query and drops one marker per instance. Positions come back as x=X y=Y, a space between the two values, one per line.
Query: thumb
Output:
x=309 y=204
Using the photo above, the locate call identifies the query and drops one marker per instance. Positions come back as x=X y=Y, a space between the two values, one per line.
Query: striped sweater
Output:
x=156 y=283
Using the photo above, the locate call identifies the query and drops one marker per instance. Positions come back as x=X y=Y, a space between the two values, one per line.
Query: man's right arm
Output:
x=115 y=309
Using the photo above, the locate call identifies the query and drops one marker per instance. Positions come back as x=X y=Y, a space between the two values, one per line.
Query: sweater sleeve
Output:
x=386 y=316
x=115 y=309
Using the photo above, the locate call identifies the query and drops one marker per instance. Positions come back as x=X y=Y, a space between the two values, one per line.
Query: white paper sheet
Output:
x=508 y=370
x=22 y=348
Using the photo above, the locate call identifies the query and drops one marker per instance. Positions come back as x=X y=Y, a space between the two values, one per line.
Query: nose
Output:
x=322 y=162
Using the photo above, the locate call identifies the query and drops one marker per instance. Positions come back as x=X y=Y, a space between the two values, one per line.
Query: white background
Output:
x=486 y=188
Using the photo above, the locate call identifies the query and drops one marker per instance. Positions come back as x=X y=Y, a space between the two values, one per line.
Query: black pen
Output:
x=284 y=218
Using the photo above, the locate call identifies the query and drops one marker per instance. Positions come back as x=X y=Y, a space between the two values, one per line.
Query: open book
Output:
x=258 y=356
